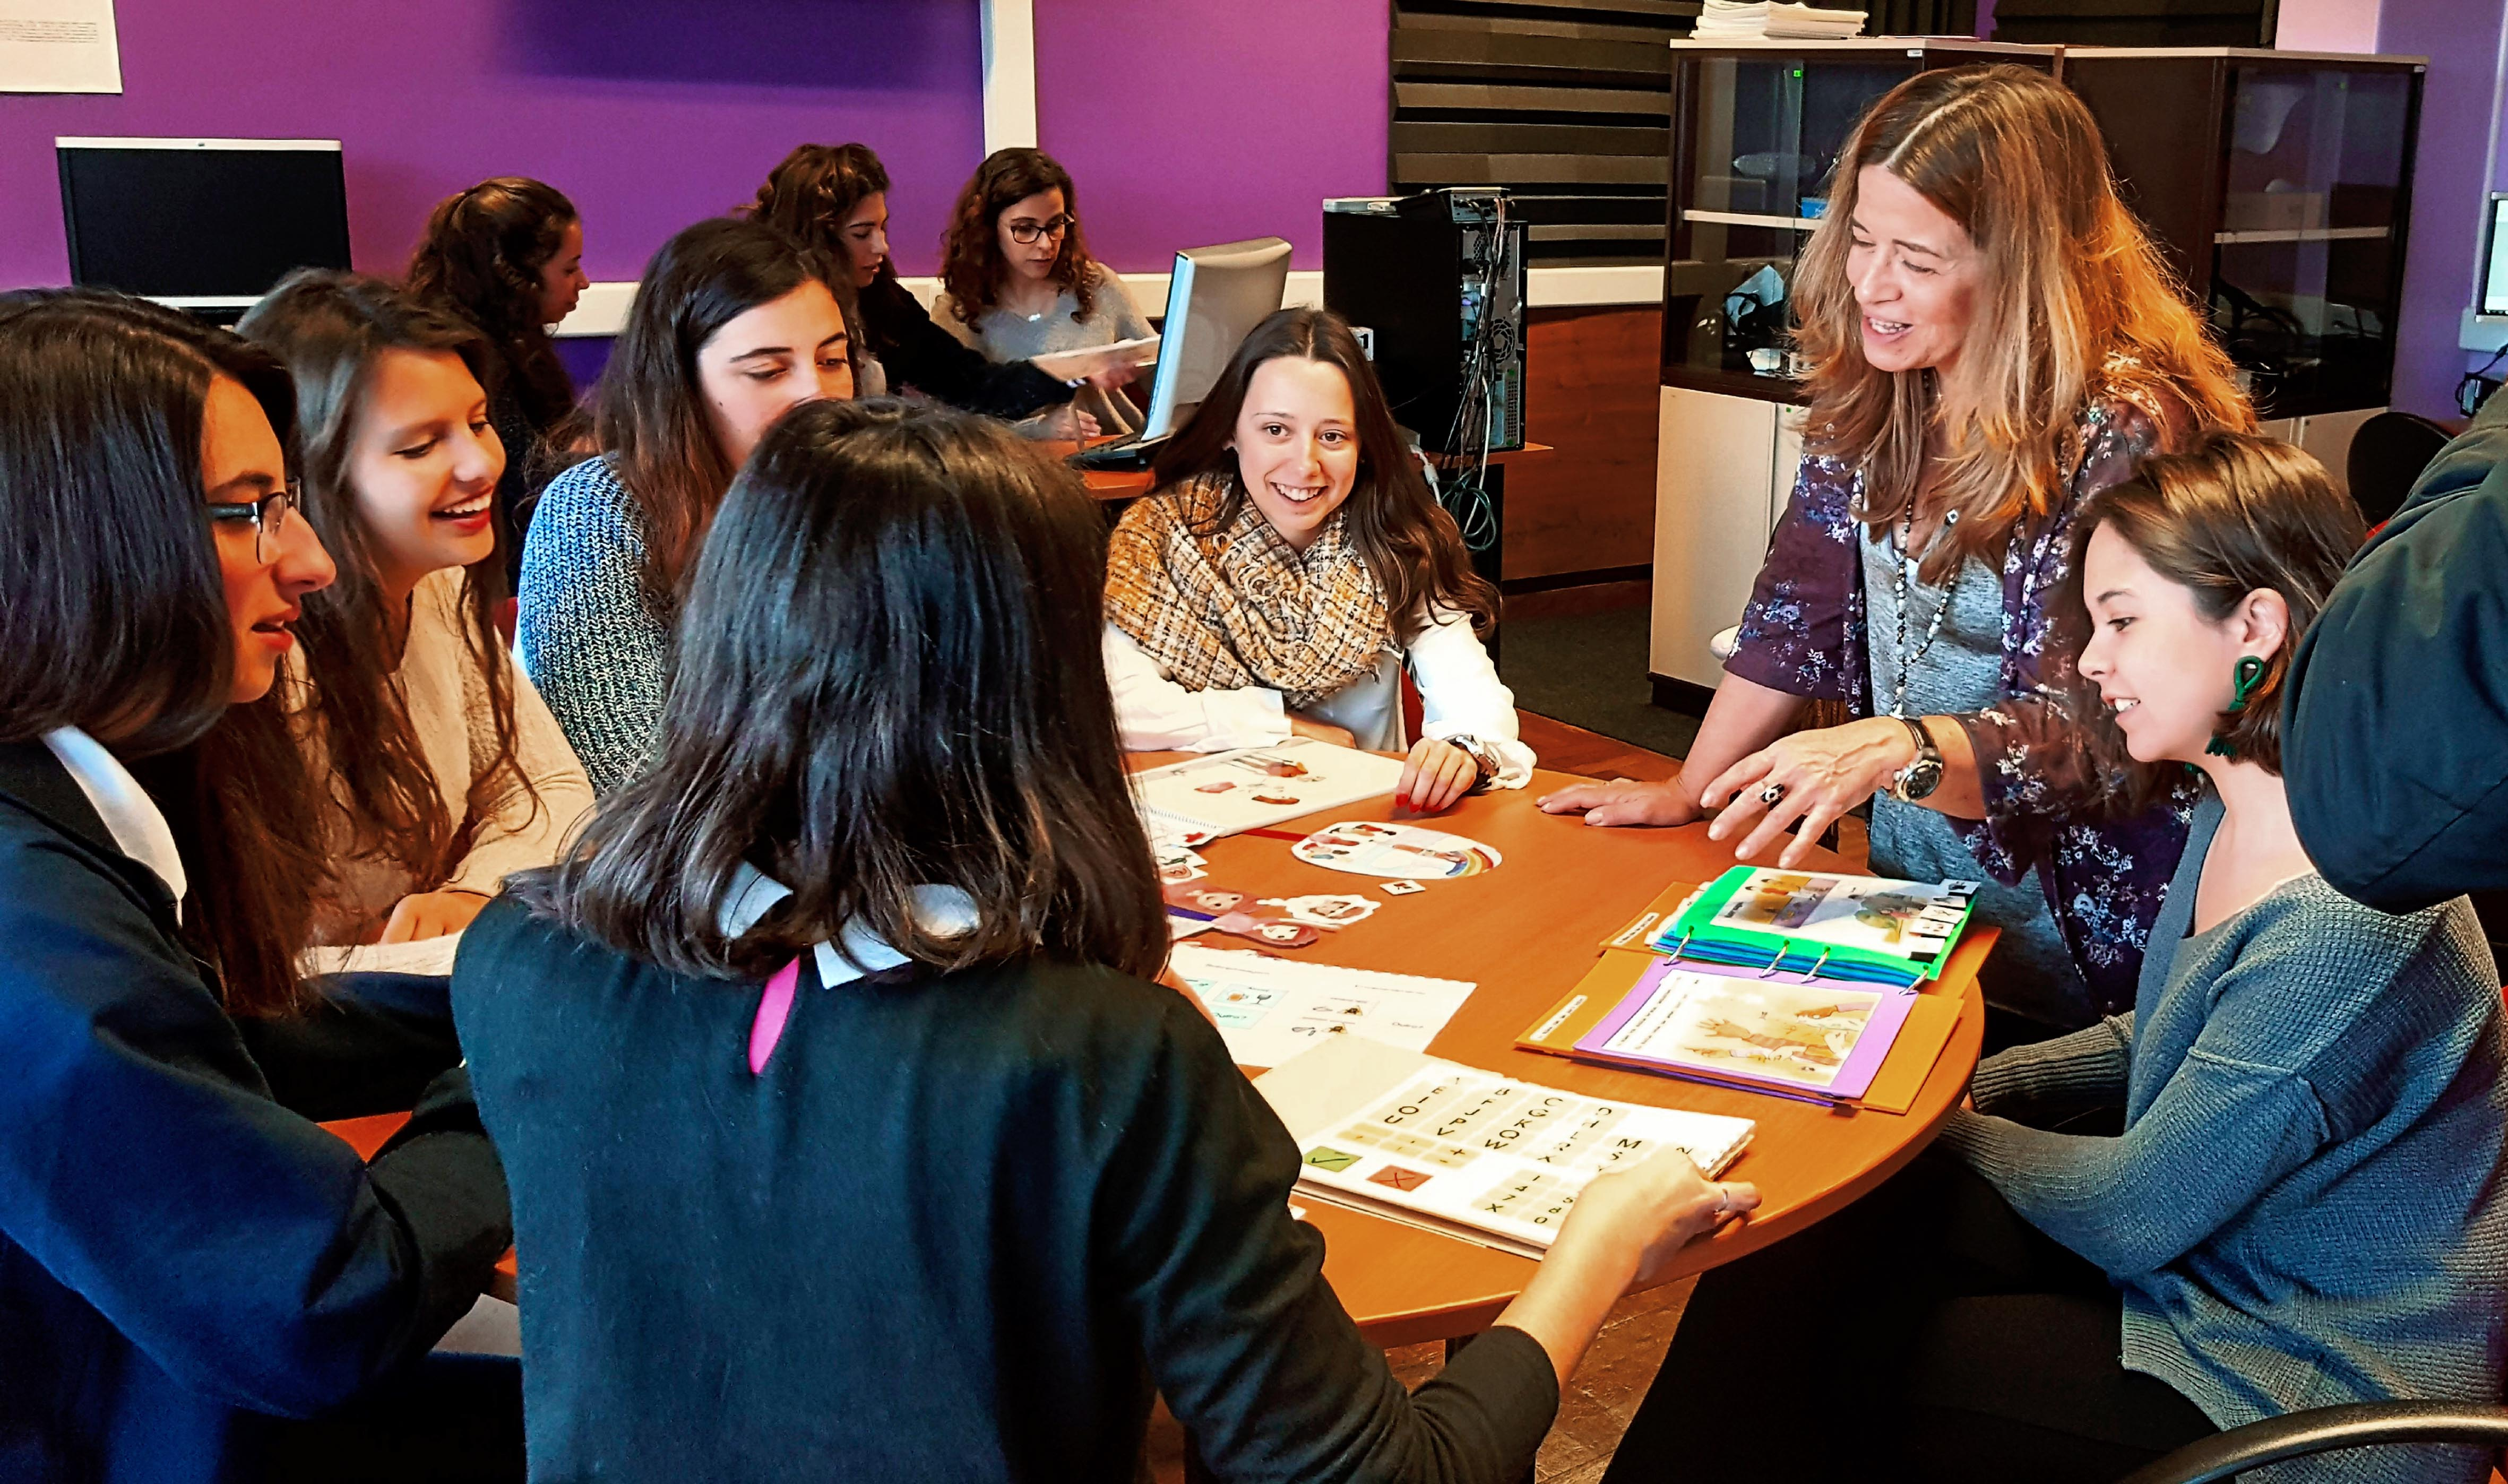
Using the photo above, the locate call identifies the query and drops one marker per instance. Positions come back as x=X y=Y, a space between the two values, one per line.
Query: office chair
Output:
x=2325 y=1430
x=2388 y=454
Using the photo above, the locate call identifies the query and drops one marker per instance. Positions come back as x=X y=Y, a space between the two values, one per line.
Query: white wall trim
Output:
x=1010 y=74
x=602 y=309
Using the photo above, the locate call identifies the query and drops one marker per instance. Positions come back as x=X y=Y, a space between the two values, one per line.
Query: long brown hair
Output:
x=972 y=266
x=811 y=191
x=331 y=329
x=2075 y=304
x=648 y=414
x=1410 y=545
x=2232 y=515
x=482 y=257
x=889 y=677
x=121 y=629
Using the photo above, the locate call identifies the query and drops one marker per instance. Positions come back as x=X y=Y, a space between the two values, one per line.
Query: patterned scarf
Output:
x=1243 y=607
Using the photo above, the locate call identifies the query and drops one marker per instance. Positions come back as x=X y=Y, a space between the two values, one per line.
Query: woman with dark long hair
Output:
x=2273 y=1183
x=507 y=255
x=735 y=323
x=445 y=770
x=845 y=1005
x=1017 y=281
x=184 y=1257
x=835 y=197
x=1292 y=566
x=1994 y=339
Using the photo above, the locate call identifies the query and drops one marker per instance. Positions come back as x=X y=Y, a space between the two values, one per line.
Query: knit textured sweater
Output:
x=599 y=654
x=2305 y=1206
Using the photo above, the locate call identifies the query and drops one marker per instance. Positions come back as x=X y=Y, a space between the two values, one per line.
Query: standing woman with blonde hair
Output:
x=1993 y=340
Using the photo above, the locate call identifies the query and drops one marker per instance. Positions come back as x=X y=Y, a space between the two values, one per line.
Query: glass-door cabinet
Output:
x=1757 y=130
x=2279 y=185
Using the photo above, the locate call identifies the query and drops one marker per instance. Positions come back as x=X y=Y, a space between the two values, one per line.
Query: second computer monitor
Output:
x=1215 y=299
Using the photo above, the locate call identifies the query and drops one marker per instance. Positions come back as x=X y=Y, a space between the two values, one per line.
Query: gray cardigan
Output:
x=599 y=654
x=2307 y=1206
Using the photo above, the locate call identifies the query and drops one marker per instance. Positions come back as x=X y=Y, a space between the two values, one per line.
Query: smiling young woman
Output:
x=1993 y=340
x=1292 y=567
x=446 y=770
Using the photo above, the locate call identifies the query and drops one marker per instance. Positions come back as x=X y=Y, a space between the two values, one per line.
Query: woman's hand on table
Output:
x=432 y=914
x=1626 y=802
x=1322 y=731
x=1435 y=776
x=1813 y=776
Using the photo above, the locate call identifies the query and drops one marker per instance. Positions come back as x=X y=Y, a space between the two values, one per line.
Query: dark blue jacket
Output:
x=2395 y=722
x=181 y=1254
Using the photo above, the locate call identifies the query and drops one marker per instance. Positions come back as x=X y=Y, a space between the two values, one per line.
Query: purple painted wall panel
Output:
x=2460 y=38
x=650 y=115
x=1188 y=124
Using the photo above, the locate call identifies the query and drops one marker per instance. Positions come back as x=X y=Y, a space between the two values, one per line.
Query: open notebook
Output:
x=1463 y=1152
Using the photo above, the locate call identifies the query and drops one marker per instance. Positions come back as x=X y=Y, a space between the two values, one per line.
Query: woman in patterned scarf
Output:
x=1292 y=566
x=1993 y=340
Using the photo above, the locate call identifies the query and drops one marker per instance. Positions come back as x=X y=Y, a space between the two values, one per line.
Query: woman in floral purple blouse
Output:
x=1993 y=340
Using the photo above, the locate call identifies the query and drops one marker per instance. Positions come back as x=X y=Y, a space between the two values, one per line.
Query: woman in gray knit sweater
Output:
x=2301 y=1204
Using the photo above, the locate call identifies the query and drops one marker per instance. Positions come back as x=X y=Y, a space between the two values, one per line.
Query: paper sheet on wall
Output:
x=58 y=46
x=1270 y=1009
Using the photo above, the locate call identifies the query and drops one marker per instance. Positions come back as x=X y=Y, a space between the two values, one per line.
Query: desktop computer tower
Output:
x=1436 y=282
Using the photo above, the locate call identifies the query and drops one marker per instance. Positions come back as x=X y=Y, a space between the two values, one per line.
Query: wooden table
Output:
x=1525 y=933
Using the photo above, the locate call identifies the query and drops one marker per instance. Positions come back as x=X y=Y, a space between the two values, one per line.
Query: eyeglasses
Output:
x=1024 y=230
x=268 y=514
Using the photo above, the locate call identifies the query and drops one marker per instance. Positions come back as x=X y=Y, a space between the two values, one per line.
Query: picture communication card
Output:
x=1270 y=1010
x=1826 y=925
x=1369 y=849
x=1201 y=799
x=1465 y=1152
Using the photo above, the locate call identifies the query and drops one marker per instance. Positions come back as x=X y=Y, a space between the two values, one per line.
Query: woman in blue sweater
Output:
x=2305 y=1205
x=185 y=1257
x=846 y=1130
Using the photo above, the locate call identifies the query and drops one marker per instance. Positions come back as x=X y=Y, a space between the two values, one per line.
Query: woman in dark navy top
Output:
x=184 y=1257
x=845 y=1128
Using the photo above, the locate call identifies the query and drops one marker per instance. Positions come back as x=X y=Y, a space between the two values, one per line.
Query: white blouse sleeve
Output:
x=1155 y=714
x=521 y=836
x=1461 y=695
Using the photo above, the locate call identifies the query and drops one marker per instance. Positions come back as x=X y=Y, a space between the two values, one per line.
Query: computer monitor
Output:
x=2494 y=256
x=1214 y=300
x=201 y=224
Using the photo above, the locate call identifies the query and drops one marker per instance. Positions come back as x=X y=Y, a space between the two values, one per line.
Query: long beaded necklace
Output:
x=1906 y=581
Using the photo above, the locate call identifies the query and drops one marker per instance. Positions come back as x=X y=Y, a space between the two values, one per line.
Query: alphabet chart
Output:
x=1477 y=1155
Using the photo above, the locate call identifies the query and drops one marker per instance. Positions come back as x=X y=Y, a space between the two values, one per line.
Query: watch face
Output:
x=1921 y=778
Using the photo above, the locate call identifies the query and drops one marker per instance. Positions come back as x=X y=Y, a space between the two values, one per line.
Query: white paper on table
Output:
x=425 y=955
x=58 y=46
x=1271 y=1009
x=1251 y=788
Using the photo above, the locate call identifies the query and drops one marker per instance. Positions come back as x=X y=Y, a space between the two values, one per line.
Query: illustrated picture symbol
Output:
x=1323 y=1157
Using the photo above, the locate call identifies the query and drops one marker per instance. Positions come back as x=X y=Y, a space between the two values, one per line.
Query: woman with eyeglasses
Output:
x=185 y=1259
x=1017 y=281
x=445 y=770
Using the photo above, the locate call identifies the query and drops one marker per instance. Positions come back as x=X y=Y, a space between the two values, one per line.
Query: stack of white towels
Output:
x=1773 y=20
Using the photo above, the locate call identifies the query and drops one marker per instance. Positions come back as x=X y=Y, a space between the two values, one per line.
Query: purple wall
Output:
x=1191 y=122
x=2460 y=38
x=650 y=115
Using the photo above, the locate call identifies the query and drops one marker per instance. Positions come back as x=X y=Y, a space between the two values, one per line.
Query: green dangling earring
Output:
x=2249 y=675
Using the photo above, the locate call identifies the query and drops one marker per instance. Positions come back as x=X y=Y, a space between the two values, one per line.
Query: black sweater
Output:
x=178 y=1251
x=2395 y=722
x=920 y=355
x=955 y=1231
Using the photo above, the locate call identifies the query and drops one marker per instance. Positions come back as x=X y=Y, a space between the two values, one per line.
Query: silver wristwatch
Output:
x=1918 y=779
x=1481 y=758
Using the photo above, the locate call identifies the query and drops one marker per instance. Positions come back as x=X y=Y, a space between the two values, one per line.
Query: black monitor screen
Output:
x=200 y=218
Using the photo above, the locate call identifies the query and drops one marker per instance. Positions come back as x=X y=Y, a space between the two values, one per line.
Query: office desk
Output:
x=1105 y=484
x=1525 y=933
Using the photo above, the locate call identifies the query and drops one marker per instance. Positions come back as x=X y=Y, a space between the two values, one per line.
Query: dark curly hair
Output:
x=971 y=251
x=814 y=189
x=482 y=257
